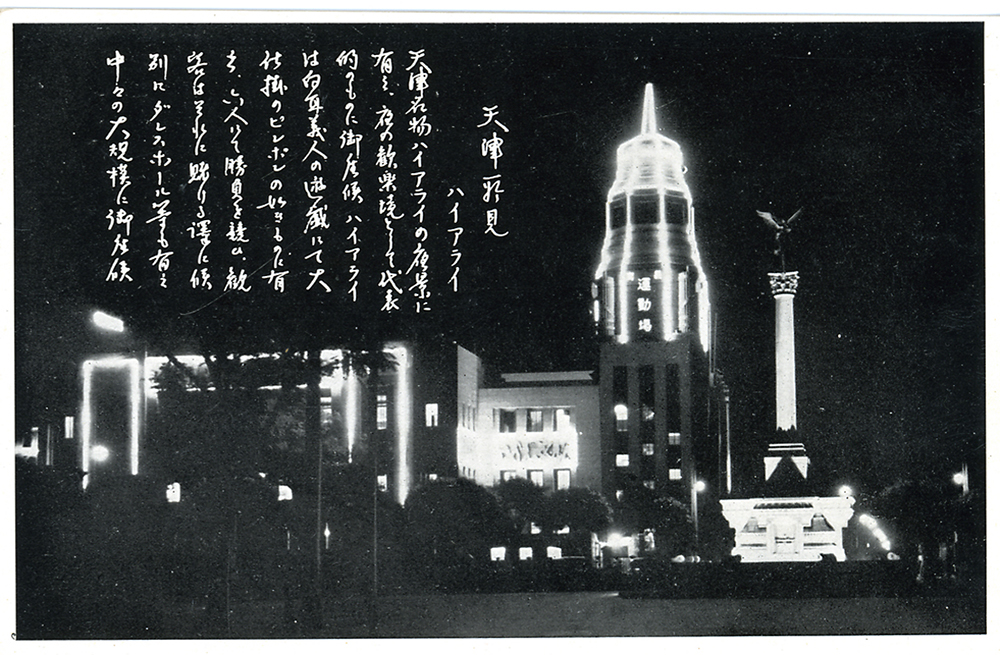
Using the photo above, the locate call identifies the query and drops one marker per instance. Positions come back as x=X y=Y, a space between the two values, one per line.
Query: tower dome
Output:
x=649 y=285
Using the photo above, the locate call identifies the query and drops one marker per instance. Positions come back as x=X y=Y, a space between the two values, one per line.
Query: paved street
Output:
x=604 y=614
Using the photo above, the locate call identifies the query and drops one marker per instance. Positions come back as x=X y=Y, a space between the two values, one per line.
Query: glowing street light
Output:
x=107 y=322
x=962 y=479
x=697 y=487
x=99 y=453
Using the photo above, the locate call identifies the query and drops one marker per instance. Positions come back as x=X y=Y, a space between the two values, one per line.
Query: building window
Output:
x=174 y=492
x=621 y=460
x=553 y=552
x=675 y=474
x=431 y=415
x=645 y=210
x=648 y=449
x=563 y=419
x=383 y=482
x=537 y=477
x=508 y=420
x=432 y=476
x=674 y=439
x=382 y=412
x=498 y=554
x=524 y=553
x=507 y=475
x=621 y=418
x=562 y=478
x=534 y=420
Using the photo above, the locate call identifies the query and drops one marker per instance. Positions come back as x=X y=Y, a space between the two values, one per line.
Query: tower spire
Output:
x=649 y=111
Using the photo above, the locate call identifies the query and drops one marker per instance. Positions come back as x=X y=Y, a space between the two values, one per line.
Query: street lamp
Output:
x=962 y=479
x=696 y=488
x=107 y=322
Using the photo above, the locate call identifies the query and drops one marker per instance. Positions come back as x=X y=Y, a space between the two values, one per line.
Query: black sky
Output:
x=876 y=129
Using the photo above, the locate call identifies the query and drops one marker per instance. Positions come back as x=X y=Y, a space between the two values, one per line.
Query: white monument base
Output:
x=800 y=529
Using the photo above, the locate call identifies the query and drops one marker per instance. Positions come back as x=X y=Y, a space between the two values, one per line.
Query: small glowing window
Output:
x=535 y=529
x=537 y=477
x=534 y=420
x=621 y=418
x=675 y=474
x=621 y=460
x=508 y=420
x=524 y=553
x=432 y=476
x=562 y=478
x=648 y=449
x=383 y=482
x=674 y=438
x=553 y=552
x=563 y=530
x=619 y=494
x=382 y=412
x=174 y=493
x=431 y=415
x=284 y=492
x=508 y=475
x=563 y=419
x=498 y=554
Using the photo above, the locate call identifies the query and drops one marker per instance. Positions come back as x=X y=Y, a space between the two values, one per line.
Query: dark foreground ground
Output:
x=603 y=614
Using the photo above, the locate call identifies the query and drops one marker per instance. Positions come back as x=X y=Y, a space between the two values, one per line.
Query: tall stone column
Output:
x=783 y=287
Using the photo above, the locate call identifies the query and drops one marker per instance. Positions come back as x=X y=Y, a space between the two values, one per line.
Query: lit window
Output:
x=508 y=420
x=524 y=553
x=432 y=476
x=535 y=422
x=563 y=530
x=537 y=477
x=535 y=529
x=562 y=478
x=621 y=418
x=553 y=552
x=649 y=484
x=675 y=474
x=563 y=419
x=431 y=415
x=382 y=412
x=619 y=494
x=174 y=493
x=648 y=449
x=284 y=492
x=621 y=460
x=508 y=475
x=498 y=554
x=383 y=482
x=674 y=438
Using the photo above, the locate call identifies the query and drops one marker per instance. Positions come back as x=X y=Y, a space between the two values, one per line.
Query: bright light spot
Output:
x=958 y=478
x=383 y=482
x=107 y=322
x=563 y=530
x=846 y=491
x=621 y=412
x=524 y=553
x=553 y=552
x=892 y=557
x=616 y=540
x=535 y=529
x=699 y=486
x=100 y=453
x=498 y=554
x=262 y=474
x=174 y=493
x=284 y=492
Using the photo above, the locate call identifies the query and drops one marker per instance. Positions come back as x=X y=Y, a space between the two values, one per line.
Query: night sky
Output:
x=875 y=129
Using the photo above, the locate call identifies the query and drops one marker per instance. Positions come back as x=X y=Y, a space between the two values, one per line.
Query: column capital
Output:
x=784 y=283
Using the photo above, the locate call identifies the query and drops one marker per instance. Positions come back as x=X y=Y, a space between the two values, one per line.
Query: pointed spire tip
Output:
x=649 y=111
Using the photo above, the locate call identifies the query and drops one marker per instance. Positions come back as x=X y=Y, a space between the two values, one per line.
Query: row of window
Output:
x=561 y=477
x=535 y=420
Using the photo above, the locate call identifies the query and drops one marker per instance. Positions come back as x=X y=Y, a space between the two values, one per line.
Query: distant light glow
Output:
x=699 y=486
x=100 y=454
x=846 y=491
x=107 y=322
x=958 y=478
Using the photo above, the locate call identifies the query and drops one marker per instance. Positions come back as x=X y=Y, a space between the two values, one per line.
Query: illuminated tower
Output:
x=651 y=306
